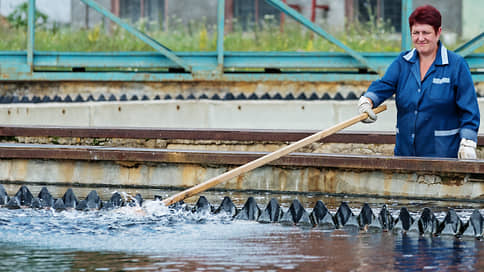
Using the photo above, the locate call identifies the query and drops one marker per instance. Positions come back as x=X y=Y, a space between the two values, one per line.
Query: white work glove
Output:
x=365 y=105
x=467 y=149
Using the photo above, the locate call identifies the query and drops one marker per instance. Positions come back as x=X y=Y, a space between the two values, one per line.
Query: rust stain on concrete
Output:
x=281 y=176
x=315 y=179
x=136 y=175
x=192 y=175
x=66 y=171
x=19 y=170
x=94 y=172
x=123 y=175
x=267 y=178
x=387 y=182
x=330 y=181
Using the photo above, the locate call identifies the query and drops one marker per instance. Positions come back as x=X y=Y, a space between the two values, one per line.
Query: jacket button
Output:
x=418 y=90
x=415 y=112
x=413 y=135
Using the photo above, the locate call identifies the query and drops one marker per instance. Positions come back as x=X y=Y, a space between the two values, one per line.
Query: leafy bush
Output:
x=268 y=35
x=19 y=17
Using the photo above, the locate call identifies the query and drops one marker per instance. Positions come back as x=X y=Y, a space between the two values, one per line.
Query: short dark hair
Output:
x=426 y=15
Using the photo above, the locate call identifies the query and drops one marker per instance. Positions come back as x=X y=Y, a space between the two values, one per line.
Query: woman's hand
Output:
x=365 y=105
x=467 y=150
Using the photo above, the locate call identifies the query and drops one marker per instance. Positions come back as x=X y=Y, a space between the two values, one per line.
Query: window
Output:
x=133 y=10
x=248 y=12
x=388 y=10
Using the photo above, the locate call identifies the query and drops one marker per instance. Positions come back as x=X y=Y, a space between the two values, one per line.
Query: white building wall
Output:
x=94 y=18
x=243 y=114
x=57 y=10
x=472 y=18
x=334 y=19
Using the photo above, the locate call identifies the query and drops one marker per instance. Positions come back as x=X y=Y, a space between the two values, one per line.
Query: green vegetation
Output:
x=18 y=18
x=9 y=139
x=195 y=37
x=374 y=36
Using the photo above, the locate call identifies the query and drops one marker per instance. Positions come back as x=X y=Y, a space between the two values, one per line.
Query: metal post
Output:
x=220 y=35
x=86 y=17
x=282 y=18
x=279 y=4
x=470 y=46
x=406 y=11
x=229 y=14
x=142 y=9
x=138 y=34
x=165 y=16
x=256 y=12
x=115 y=7
x=313 y=11
x=31 y=35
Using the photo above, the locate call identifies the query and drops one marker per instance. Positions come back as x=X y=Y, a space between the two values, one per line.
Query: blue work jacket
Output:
x=433 y=114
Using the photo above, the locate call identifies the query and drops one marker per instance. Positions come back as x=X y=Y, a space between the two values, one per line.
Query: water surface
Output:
x=153 y=238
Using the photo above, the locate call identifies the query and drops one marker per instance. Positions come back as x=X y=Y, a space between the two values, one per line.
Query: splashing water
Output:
x=155 y=237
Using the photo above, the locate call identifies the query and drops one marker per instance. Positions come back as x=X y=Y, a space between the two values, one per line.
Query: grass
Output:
x=196 y=36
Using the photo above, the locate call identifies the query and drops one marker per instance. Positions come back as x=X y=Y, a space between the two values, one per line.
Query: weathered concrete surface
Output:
x=263 y=114
x=336 y=148
x=259 y=114
x=293 y=179
x=267 y=114
x=209 y=88
x=173 y=89
x=210 y=145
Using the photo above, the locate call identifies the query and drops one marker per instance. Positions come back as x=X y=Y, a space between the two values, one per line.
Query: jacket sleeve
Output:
x=466 y=101
x=386 y=86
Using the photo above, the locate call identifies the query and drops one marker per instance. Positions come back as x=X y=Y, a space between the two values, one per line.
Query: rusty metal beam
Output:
x=377 y=163
x=362 y=137
x=195 y=134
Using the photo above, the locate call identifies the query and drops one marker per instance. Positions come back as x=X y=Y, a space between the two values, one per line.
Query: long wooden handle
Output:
x=267 y=158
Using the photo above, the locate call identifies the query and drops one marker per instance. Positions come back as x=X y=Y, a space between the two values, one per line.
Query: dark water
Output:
x=153 y=238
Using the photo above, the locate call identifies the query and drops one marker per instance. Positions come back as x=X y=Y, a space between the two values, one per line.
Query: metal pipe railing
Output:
x=203 y=63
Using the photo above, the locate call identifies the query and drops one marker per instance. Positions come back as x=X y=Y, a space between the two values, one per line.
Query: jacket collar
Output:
x=441 y=58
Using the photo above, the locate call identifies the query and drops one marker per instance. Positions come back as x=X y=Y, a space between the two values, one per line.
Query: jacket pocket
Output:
x=446 y=143
x=442 y=93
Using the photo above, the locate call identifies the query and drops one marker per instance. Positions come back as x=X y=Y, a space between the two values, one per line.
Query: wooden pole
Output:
x=267 y=158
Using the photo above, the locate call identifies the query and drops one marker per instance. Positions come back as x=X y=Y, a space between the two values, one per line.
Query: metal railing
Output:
x=349 y=65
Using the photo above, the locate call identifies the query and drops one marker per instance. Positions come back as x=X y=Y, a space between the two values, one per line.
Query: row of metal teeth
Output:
x=24 y=198
x=320 y=217
x=227 y=96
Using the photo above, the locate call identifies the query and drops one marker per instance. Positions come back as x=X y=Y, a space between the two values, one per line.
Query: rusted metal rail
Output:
x=196 y=134
x=387 y=163
x=363 y=137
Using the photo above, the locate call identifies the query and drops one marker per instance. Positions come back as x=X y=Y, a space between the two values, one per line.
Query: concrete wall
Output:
x=57 y=10
x=269 y=178
x=197 y=114
x=208 y=10
x=451 y=11
x=472 y=18
x=259 y=114
x=194 y=114
x=187 y=10
x=333 y=20
x=79 y=13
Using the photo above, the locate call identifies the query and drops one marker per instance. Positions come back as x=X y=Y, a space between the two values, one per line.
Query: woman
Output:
x=437 y=109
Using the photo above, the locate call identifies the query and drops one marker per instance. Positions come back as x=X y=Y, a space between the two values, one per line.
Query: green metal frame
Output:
x=138 y=34
x=469 y=47
x=318 y=30
x=165 y=64
x=31 y=35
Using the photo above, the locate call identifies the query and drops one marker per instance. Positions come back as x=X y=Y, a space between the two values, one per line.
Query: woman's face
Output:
x=425 y=38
